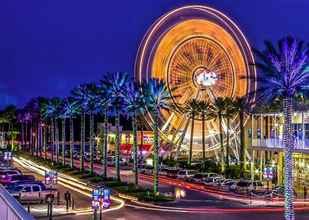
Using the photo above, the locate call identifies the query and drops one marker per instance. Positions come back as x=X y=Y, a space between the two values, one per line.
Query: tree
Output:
x=218 y=112
x=114 y=85
x=229 y=113
x=51 y=110
x=284 y=74
x=92 y=108
x=135 y=105
x=192 y=110
x=242 y=106
x=157 y=97
x=81 y=94
x=71 y=108
x=205 y=111
x=103 y=103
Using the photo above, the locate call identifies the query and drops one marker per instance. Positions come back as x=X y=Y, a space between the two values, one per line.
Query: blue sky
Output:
x=49 y=46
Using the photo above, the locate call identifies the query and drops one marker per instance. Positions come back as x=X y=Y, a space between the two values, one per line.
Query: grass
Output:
x=121 y=187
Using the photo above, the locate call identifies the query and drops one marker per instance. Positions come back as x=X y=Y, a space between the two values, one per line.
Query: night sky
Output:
x=49 y=46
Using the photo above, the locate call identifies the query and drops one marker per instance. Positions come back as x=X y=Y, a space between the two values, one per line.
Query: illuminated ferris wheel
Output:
x=201 y=54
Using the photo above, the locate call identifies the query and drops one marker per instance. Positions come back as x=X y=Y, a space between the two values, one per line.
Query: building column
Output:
x=252 y=165
x=280 y=168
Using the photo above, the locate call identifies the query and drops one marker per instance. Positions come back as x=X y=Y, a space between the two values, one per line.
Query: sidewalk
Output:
x=40 y=210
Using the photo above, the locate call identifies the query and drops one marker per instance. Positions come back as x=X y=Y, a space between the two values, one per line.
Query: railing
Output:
x=10 y=208
x=278 y=143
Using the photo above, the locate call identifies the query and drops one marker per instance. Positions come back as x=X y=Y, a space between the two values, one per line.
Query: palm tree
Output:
x=205 y=109
x=114 y=85
x=242 y=106
x=71 y=108
x=103 y=103
x=63 y=115
x=92 y=108
x=135 y=106
x=284 y=74
x=81 y=94
x=157 y=97
x=218 y=112
x=229 y=113
x=50 y=110
x=192 y=109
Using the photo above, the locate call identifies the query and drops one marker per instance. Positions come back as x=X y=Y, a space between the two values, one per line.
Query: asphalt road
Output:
x=135 y=214
x=81 y=201
x=129 y=213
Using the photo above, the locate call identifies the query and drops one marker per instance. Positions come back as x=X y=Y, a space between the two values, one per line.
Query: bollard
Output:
x=95 y=214
x=58 y=198
x=73 y=204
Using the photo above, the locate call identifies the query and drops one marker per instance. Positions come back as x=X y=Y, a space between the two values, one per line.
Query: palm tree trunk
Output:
x=91 y=148
x=63 y=141
x=44 y=142
x=22 y=136
x=227 y=160
x=221 y=142
x=57 y=140
x=156 y=151
x=82 y=145
x=52 y=139
x=242 y=144
x=191 y=140
x=26 y=136
x=288 y=150
x=105 y=145
x=203 y=139
x=31 y=139
x=135 y=148
x=71 y=141
x=117 y=145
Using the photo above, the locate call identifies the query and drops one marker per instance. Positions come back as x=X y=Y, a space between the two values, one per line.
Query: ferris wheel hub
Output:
x=204 y=78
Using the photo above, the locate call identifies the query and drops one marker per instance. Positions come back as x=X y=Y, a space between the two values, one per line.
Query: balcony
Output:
x=276 y=144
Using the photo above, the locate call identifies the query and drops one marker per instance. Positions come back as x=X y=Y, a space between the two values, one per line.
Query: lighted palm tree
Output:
x=81 y=94
x=115 y=87
x=157 y=97
x=135 y=105
x=284 y=74
x=63 y=116
x=8 y=117
x=103 y=104
x=218 y=112
x=92 y=109
x=229 y=113
x=242 y=106
x=205 y=111
x=71 y=108
x=192 y=110
x=50 y=110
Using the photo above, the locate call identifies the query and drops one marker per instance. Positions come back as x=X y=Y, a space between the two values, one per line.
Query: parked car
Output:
x=198 y=178
x=111 y=161
x=227 y=185
x=163 y=171
x=5 y=175
x=31 y=191
x=148 y=170
x=243 y=186
x=213 y=181
x=185 y=174
x=172 y=173
x=16 y=178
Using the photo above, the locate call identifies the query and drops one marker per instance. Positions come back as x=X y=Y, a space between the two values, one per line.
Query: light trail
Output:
x=68 y=182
